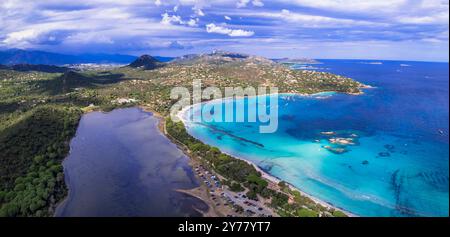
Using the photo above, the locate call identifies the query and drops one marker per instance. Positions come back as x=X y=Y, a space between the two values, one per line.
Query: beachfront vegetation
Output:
x=303 y=212
x=236 y=187
x=337 y=213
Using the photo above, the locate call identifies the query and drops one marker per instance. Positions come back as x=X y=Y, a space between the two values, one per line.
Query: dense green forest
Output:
x=31 y=151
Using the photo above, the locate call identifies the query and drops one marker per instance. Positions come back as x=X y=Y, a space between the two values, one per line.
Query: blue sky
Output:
x=363 y=29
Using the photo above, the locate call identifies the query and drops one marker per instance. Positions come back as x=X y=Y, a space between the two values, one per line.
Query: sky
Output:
x=321 y=29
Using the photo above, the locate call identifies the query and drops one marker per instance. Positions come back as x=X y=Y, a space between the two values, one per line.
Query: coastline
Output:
x=269 y=94
x=201 y=191
x=273 y=180
x=276 y=180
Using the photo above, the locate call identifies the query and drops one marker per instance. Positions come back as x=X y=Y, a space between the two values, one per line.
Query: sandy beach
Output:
x=273 y=181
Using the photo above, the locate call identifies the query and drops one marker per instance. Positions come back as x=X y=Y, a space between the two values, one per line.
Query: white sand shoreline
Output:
x=265 y=174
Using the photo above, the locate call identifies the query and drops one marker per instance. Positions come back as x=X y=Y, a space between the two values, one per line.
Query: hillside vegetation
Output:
x=31 y=151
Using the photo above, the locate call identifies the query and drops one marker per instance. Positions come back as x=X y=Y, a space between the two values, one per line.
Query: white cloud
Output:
x=158 y=2
x=311 y=21
x=169 y=19
x=351 y=5
x=440 y=18
x=241 y=33
x=244 y=3
x=258 y=3
x=433 y=40
x=227 y=18
x=89 y=38
x=213 y=28
x=21 y=36
x=44 y=26
x=193 y=22
x=394 y=11
x=198 y=12
x=174 y=19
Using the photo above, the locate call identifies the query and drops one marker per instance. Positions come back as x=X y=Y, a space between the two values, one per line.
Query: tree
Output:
x=337 y=213
x=9 y=210
x=252 y=195
x=303 y=212
x=236 y=187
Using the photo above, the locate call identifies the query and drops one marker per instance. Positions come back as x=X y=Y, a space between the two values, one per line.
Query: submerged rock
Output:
x=390 y=148
x=328 y=133
x=342 y=141
x=336 y=150
x=365 y=162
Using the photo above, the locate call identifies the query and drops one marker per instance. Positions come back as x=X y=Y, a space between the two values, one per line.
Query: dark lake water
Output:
x=120 y=164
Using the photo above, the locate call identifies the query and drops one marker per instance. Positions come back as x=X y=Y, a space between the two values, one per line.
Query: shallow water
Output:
x=397 y=164
x=121 y=165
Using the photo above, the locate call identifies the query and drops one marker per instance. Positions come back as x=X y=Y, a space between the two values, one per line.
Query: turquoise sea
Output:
x=384 y=153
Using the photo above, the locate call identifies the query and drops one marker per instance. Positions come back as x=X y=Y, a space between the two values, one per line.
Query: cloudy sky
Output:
x=364 y=29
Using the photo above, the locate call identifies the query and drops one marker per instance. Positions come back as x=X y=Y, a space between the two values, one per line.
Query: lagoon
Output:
x=120 y=164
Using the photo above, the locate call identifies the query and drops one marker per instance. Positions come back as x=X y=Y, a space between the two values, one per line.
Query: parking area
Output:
x=233 y=204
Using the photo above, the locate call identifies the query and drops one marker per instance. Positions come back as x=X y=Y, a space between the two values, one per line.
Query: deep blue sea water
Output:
x=398 y=164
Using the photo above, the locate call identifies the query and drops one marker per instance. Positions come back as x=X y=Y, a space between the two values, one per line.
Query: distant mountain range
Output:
x=36 y=67
x=148 y=62
x=31 y=60
x=220 y=57
x=19 y=56
x=296 y=61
